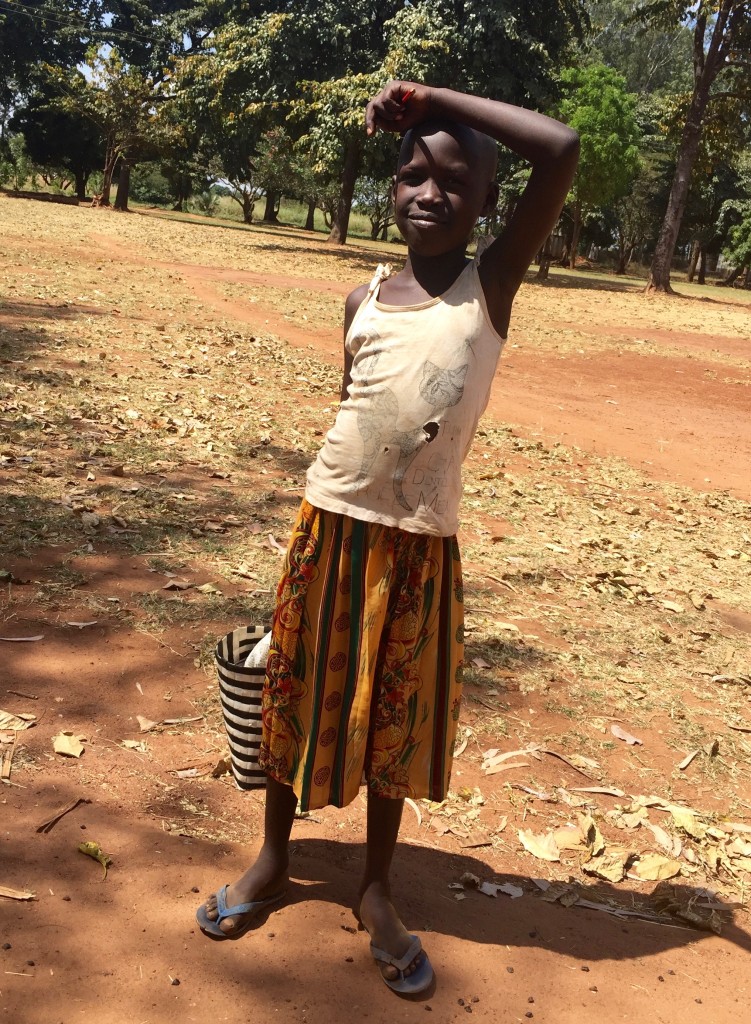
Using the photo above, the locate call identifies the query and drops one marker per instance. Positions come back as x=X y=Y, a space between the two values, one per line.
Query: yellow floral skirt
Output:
x=363 y=680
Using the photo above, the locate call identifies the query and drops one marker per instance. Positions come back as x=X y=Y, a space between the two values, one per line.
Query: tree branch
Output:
x=743 y=97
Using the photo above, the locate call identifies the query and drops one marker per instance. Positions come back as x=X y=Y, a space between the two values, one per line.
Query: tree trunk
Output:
x=110 y=160
x=340 y=220
x=747 y=277
x=576 y=229
x=702 y=278
x=123 y=187
x=248 y=203
x=310 y=220
x=385 y=231
x=178 y=207
x=269 y=214
x=730 y=280
x=81 y=180
x=707 y=65
x=695 y=250
x=625 y=255
x=544 y=269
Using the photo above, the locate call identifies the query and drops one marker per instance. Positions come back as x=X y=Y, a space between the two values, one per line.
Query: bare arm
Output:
x=551 y=147
x=351 y=306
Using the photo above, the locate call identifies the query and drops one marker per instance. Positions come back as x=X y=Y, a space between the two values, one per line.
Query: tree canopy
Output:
x=266 y=98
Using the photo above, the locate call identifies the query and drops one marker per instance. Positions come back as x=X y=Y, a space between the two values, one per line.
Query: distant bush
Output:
x=148 y=185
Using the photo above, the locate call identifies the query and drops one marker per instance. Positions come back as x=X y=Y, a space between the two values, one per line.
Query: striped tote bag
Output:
x=240 y=690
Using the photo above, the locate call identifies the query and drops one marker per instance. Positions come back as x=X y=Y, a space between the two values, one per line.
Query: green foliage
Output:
x=206 y=203
x=58 y=140
x=16 y=167
x=40 y=32
x=654 y=59
x=315 y=68
x=735 y=218
x=149 y=185
x=738 y=249
x=597 y=106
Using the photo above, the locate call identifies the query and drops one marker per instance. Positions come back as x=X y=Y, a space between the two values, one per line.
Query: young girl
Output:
x=363 y=679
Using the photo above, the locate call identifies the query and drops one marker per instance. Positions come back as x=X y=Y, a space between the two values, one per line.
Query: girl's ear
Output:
x=491 y=199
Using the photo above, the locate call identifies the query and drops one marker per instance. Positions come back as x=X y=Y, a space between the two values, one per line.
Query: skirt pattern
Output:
x=363 y=679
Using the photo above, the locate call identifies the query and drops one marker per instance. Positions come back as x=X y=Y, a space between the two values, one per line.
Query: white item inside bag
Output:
x=260 y=653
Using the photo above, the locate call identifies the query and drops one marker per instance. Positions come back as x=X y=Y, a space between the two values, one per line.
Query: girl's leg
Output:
x=377 y=912
x=268 y=875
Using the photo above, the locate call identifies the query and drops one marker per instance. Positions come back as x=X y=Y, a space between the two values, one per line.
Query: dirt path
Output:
x=131 y=458
x=665 y=416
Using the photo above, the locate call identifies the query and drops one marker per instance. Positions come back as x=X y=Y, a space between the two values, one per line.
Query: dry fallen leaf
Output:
x=21 y=639
x=92 y=849
x=544 y=847
x=411 y=803
x=139 y=745
x=666 y=841
x=507 y=767
x=507 y=888
x=275 y=545
x=604 y=790
x=146 y=724
x=16 y=894
x=67 y=744
x=687 y=820
x=687 y=760
x=576 y=761
x=569 y=837
x=621 y=734
x=611 y=864
x=673 y=606
x=653 y=867
x=81 y=625
x=592 y=834
x=16 y=723
x=208 y=588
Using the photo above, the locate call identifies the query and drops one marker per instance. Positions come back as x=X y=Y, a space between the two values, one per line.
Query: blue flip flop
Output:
x=249 y=910
x=411 y=984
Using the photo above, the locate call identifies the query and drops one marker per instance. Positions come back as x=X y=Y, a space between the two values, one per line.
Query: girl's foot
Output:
x=266 y=878
x=381 y=921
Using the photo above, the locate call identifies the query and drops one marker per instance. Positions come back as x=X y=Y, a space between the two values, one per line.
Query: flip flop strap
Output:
x=223 y=911
x=401 y=964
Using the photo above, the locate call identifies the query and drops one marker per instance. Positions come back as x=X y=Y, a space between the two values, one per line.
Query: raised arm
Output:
x=550 y=147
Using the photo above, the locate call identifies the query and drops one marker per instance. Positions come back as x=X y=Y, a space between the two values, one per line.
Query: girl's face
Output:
x=439 y=195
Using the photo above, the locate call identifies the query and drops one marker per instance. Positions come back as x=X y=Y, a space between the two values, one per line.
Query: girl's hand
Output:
x=398 y=107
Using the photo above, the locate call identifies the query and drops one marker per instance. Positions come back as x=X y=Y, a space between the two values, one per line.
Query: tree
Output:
x=118 y=99
x=16 y=168
x=634 y=212
x=721 y=71
x=317 y=65
x=597 y=106
x=654 y=59
x=59 y=140
x=38 y=32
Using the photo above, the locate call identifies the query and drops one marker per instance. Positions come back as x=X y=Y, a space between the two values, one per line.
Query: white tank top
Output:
x=421 y=378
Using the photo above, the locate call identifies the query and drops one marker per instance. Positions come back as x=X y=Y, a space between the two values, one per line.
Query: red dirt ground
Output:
x=126 y=951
